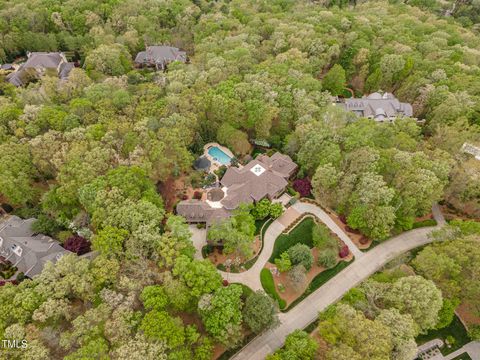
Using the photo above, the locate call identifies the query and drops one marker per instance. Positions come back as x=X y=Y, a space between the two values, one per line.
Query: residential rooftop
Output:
x=38 y=64
x=27 y=251
x=160 y=56
x=378 y=106
x=264 y=177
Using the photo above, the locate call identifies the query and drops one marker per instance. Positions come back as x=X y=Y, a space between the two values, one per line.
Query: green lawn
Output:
x=268 y=284
x=455 y=329
x=463 y=356
x=259 y=224
x=302 y=233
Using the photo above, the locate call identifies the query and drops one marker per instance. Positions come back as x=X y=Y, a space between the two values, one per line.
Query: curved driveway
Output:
x=251 y=277
x=307 y=311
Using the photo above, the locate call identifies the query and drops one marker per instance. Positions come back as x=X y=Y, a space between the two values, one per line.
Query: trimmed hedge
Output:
x=424 y=223
x=268 y=284
x=301 y=234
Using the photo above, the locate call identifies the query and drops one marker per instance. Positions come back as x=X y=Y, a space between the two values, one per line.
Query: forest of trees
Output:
x=85 y=155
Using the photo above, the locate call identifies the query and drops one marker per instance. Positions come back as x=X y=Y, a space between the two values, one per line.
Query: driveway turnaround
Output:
x=307 y=311
x=251 y=277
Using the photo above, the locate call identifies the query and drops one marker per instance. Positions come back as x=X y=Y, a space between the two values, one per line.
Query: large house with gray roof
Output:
x=159 y=56
x=39 y=64
x=27 y=251
x=264 y=177
x=377 y=106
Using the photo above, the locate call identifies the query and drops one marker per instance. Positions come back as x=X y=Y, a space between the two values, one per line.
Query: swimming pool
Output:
x=219 y=155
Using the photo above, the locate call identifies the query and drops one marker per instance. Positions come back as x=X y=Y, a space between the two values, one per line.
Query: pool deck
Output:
x=216 y=164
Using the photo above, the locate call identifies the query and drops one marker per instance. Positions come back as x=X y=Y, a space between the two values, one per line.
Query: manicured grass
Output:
x=300 y=234
x=424 y=223
x=463 y=356
x=268 y=284
x=455 y=329
x=259 y=224
x=318 y=281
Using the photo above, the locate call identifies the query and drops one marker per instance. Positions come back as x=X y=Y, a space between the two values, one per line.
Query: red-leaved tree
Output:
x=77 y=244
x=303 y=186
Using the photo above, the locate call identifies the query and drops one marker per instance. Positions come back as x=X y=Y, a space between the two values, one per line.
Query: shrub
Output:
x=283 y=263
x=77 y=244
x=261 y=209
x=45 y=225
x=303 y=186
x=197 y=195
x=327 y=258
x=184 y=197
x=343 y=253
x=225 y=282
x=276 y=209
x=300 y=254
x=201 y=226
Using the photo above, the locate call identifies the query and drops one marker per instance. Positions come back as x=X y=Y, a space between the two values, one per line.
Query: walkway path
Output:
x=307 y=311
x=472 y=348
x=199 y=239
x=251 y=277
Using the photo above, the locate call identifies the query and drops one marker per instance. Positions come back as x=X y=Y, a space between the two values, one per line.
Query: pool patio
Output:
x=214 y=161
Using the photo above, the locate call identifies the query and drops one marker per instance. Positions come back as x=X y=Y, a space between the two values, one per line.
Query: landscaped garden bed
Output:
x=7 y=270
x=302 y=260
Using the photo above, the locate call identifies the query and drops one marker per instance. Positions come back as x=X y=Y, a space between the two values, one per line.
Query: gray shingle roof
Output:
x=378 y=106
x=37 y=63
x=160 y=55
x=27 y=251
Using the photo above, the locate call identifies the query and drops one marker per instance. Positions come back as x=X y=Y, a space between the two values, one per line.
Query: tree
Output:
x=451 y=265
x=110 y=241
x=418 y=297
x=402 y=328
x=283 y=263
x=154 y=298
x=302 y=186
x=298 y=346
x=298 y=277
x=322 y=238
x=348 y=332
x=221 y=314
x=139 y=348
x=17 y=171
x=109 y=60
x=77 y=244
x=335 y=80
x=300 y=254
x=200 y=276
x=260 y=312
x=236 y=234
x=160 y=326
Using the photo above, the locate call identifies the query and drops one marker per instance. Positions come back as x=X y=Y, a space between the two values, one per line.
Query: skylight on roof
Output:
x=258 y=169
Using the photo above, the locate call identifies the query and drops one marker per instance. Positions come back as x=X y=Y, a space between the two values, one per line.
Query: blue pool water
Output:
x=219 y=155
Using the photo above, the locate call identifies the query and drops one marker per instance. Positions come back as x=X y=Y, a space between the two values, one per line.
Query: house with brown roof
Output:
x=264 y=177
x=39 y=64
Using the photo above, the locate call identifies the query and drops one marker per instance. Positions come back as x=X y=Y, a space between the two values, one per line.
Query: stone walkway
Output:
x=307 y=311
x=199 y=239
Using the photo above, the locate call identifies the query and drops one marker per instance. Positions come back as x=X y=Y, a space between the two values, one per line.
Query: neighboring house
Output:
x=39 y=64
x=27 y=251
x=159 y=56
x=377 y=106
x=264 y=177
